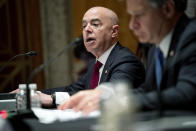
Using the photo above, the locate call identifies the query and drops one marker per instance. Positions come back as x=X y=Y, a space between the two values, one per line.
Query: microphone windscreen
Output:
x=31 y=53
x=78 y=40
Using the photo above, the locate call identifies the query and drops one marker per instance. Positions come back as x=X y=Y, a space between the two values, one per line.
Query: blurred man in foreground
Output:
x=171 y=67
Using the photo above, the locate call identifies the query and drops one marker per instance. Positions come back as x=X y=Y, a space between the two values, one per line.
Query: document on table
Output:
x=49 y=116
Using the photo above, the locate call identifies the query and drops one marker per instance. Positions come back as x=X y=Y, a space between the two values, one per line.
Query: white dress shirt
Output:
x=165 y=44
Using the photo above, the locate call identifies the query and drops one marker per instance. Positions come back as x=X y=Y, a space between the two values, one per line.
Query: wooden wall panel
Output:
x=34 y=37
x=20 y=32
x=79 y=7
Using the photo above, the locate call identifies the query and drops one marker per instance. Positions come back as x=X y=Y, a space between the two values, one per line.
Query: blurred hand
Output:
x=45 y=99
x=14 y=91
x=85 y=101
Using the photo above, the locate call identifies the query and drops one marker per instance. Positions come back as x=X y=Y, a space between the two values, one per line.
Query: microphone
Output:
x=47 y=63
x=30 y=53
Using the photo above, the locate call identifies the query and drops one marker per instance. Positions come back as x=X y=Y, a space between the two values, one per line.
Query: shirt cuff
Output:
x=61 y=97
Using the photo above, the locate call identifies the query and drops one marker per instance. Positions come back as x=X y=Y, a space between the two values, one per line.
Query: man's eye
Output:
x=83 y=26
x=139 y=15
x=95 y=24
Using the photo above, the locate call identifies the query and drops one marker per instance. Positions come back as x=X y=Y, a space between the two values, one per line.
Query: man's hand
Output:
x=15 y=91
x=45 y=99
x=85 y=101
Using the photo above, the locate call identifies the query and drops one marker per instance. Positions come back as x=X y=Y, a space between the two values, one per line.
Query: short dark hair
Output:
x=179 y=4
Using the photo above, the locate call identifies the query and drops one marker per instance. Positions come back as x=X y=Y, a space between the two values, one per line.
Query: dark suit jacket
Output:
x=120 y=65
x=178 y=86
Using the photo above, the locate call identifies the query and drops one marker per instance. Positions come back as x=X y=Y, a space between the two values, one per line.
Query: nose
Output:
x=88 y=28
x=133 y=23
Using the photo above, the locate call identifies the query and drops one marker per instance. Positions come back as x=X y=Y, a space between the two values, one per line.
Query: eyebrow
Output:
x=93 y=20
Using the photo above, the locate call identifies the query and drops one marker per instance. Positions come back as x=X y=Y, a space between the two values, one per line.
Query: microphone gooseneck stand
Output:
x=31 y=53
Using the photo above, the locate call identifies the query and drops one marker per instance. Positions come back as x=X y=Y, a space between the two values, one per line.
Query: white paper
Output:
x=49 y=116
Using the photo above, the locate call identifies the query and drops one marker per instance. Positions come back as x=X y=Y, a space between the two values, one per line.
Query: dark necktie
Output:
x=159 y=63
x=95 y=76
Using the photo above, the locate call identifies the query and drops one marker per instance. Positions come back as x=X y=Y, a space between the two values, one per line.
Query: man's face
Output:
x=145 y=22
x=97 y=31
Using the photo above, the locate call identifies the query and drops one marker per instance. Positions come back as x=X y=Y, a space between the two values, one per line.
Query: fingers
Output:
x=72 y=102
x=90 y=106
x=85 y=101
x=90 y=109
x=65 y=105
x=89 y=103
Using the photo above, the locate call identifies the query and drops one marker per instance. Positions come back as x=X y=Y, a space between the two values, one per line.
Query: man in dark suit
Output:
x=174 y=34
x=100 y=33
x=171 y=67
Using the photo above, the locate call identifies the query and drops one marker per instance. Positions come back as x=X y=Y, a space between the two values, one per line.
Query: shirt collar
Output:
x=165 y=43
x=103 y=58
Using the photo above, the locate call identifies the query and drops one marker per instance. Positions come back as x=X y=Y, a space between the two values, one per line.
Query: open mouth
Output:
x=89 y=40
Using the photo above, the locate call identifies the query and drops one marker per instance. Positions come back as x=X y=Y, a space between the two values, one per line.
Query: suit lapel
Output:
x=107 y=67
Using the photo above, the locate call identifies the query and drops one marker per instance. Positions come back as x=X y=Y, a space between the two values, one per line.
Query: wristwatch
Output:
x=53 y=95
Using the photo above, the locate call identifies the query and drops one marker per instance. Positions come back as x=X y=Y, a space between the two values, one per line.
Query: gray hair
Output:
x=179 y=4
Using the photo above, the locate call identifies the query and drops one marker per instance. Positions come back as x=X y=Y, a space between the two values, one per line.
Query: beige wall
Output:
x=56 y=34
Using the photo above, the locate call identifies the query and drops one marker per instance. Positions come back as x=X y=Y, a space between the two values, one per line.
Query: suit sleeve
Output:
x=71 y=89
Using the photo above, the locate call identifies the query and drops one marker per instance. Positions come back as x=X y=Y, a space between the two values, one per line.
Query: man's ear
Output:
x=115 y=29
x=169 y=9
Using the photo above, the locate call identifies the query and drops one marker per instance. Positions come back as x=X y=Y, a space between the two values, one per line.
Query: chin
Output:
x=143 y=40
